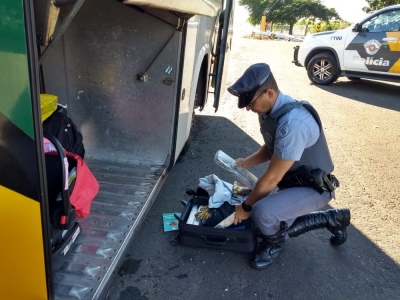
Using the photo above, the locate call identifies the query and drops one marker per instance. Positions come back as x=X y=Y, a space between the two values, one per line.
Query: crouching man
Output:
x=300 y=165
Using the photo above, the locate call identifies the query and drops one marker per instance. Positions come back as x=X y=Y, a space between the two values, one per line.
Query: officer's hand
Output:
x=240 y=214
x=242 y=162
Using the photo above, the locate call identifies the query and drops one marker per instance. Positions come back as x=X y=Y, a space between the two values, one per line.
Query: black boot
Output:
x=335 y=220
x=272 y=248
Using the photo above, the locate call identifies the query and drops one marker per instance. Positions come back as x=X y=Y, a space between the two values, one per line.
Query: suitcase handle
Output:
x=213 y=243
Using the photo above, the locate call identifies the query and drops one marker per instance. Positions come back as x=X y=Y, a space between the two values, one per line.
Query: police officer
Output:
x=300 y=165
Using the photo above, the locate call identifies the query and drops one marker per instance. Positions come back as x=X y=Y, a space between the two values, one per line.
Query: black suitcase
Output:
x=230 y=239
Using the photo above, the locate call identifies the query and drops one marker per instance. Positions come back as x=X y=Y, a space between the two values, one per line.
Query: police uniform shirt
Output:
x=295 y=131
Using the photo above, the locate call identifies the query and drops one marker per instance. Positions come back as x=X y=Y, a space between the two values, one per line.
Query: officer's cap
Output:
x=247 y=85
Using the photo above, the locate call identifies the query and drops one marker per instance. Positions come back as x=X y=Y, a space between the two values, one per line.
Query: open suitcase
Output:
x=227 y=239
x=233 y=238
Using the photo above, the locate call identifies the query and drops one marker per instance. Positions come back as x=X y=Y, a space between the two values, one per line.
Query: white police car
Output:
x=369 y=49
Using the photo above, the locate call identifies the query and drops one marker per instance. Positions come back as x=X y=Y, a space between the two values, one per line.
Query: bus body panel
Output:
x=128 y=77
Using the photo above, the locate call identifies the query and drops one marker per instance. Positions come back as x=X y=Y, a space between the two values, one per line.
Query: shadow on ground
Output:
x=309 y=268
x=381 y=94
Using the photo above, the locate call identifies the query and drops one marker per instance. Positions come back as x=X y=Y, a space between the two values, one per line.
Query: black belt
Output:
x=304 y=177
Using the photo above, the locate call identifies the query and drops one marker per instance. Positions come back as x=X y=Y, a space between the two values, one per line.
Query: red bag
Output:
x=85 y=189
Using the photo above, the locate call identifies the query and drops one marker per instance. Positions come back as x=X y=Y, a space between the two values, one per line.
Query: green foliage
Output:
x=326 y=26
x=256 y=9
x=378 y=4
x=288 y=11
x=312 y=26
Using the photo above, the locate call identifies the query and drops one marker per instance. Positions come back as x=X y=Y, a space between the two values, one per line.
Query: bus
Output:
x=130 y=73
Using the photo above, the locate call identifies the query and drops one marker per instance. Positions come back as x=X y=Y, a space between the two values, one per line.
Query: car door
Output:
x=396 y=67
x=374 y=44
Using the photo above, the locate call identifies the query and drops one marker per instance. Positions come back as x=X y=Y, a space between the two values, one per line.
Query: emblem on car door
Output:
x=372 y=47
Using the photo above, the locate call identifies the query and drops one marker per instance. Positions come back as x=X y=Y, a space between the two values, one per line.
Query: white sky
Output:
x=348 y=10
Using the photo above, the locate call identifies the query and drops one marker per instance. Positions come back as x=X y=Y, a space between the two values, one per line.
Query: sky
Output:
x=348 y=10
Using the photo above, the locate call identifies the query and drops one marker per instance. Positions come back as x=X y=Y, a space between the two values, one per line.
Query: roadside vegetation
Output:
x=302 y=12
x=325 y=26
x=288 y=11
x=378 y=4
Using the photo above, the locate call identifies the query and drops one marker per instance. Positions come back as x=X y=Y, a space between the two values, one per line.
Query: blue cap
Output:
x=248 y=84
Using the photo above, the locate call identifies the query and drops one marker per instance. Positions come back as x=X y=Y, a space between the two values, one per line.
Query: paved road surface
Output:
x=362 y=124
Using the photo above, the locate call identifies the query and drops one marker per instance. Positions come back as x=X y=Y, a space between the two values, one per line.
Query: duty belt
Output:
x=304 y=177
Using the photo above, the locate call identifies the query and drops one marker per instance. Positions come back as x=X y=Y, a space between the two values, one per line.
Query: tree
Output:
x=288 y=11
x=378 y=4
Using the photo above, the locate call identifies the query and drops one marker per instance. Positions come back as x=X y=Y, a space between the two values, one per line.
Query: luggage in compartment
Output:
x=65 y=130
x=63 y=217
x=241 y=238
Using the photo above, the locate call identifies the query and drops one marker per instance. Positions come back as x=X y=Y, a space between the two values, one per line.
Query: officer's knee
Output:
x=263 y=218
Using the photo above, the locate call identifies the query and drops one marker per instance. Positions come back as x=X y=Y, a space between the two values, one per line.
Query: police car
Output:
x=369 y=49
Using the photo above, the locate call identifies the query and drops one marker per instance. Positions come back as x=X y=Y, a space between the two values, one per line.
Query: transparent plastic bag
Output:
x=242 y=175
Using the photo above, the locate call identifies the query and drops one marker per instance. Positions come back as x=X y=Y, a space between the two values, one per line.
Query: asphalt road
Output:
x=362 y=124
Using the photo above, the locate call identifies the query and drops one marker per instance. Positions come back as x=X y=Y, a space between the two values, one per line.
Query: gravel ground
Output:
x=362 y=124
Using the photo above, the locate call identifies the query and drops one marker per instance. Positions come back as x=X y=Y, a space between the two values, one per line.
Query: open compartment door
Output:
x=195 y=7
x=223 y=49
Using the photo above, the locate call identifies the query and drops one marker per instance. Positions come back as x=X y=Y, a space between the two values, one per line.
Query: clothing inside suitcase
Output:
x=230 y=239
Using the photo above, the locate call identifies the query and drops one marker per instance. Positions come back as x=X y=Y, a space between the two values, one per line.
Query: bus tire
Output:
x=201 y=88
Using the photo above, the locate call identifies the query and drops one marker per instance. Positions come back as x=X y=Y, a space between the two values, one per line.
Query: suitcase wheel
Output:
x=175 y=240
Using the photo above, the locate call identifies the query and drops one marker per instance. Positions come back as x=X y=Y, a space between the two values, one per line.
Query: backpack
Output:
x=82 y=185
x=66 y=132
x=71 y=188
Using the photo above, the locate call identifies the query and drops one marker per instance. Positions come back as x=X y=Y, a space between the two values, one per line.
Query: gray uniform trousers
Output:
x=286 y=205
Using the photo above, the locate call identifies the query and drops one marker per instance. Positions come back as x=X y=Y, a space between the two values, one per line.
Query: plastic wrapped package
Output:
x=192 y=214
x=242 y=175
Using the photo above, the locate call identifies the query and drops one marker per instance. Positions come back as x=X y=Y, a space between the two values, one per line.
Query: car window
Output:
x=388 y=21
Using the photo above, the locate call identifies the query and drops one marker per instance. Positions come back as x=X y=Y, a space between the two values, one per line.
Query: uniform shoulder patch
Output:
x=283 y=131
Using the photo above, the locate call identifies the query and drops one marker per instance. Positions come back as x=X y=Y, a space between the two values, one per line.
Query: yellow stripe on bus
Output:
x=22 y=274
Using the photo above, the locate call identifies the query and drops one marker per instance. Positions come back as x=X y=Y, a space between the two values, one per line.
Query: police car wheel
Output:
x=322 y=69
